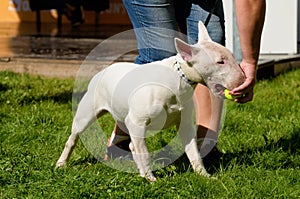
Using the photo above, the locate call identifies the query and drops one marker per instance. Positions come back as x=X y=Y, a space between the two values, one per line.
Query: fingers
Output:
x=245 y=98
x=245 y=90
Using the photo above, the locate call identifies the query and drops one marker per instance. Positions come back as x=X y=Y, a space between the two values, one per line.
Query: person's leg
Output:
x=208 y=107
x=155 y=28
x=74 y=12
x=208 y=114
x=216 y=26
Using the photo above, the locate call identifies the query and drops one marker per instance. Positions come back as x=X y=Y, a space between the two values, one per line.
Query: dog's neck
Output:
x=186 y=72
x=178 y=68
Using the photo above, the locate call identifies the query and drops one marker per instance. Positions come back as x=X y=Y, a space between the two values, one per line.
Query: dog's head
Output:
x=210 y=63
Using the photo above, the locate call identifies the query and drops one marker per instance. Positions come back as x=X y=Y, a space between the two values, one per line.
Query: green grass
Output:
x=260 y=145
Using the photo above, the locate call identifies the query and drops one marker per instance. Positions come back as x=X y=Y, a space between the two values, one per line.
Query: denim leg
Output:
x=155 y=24
x=199 y=12
x=155 y=27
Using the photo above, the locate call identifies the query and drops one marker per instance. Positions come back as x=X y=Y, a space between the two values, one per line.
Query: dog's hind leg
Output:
x=85 y=115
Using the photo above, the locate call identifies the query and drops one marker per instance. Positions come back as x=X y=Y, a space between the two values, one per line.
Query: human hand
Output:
x=246 y=89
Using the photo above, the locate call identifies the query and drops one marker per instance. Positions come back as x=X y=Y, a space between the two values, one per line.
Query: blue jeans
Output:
x=157 y=23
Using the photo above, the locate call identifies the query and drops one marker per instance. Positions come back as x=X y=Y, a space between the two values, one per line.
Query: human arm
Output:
x=250 y=16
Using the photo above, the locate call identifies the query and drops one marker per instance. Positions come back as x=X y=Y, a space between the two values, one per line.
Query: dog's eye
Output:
x=221 y=62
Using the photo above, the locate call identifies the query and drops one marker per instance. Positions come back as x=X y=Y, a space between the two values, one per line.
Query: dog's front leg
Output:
x=190 y=146
x=187 y=135
x=139 y=149
x=141 y=157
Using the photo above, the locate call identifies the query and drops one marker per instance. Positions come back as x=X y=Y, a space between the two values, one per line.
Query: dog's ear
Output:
x=203 y=35
x=185 y=50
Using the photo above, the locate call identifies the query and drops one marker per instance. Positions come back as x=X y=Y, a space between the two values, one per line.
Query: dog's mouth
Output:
x=219 y=90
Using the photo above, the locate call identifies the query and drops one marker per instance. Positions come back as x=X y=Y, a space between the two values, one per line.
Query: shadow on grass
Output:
x=275 y=154
x=291 y=145
x=3 y=87
x=62 y=97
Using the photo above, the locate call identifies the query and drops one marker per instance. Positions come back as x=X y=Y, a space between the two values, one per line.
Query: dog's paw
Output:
x=151 y=178
x=203 y=172
x=60 y=165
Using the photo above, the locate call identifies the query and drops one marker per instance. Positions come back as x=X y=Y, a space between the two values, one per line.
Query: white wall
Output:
x=228 y=9
x=280 y=34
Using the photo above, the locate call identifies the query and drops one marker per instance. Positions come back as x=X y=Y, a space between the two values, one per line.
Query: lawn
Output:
x=260 y=145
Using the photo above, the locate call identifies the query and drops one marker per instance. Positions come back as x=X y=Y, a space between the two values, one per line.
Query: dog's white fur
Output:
x=164 y=96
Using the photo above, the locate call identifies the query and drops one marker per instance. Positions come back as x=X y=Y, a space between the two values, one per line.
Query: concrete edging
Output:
x=49 y=67
x=271 y=68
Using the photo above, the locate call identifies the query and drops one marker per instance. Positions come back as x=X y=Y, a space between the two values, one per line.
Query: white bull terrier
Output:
x=157 y=95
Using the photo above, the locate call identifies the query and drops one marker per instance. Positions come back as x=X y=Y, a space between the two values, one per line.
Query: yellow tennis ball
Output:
x=228 y=95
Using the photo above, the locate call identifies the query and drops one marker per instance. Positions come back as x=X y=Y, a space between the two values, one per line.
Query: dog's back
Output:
x=126 y=85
